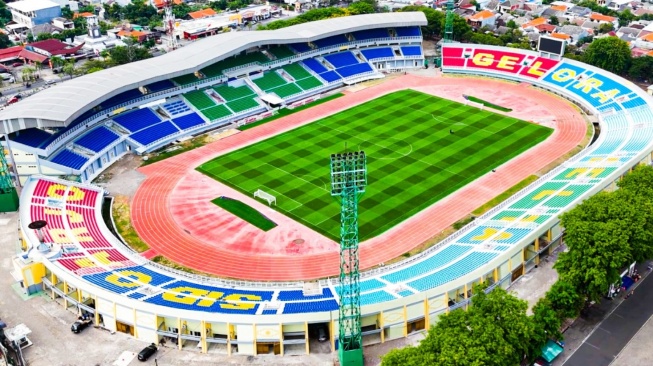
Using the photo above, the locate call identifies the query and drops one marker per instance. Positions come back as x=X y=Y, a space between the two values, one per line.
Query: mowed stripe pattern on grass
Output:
x=413 y=159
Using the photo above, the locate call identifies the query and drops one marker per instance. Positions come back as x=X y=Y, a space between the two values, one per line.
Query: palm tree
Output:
x=38 y=65
x=69 y=68
x=27 y=73
x=56 y=61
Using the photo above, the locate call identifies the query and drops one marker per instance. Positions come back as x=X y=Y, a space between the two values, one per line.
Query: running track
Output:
x=155 y=221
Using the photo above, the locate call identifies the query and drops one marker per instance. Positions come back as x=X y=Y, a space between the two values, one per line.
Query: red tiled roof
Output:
x=32 y=56
x=10 y=53
x=202 y=13
x=546 y=27
x=49 y=45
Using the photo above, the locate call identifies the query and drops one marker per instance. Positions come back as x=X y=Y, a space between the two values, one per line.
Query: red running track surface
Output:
x=171 y=210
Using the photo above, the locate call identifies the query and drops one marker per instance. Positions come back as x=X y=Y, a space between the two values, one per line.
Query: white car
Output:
x=50 y=82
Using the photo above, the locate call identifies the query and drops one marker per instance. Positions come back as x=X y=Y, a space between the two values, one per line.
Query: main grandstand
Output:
x=88 y=268
x=82 y=126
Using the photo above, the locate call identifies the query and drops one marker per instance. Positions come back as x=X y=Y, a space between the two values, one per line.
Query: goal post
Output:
x=266 y=197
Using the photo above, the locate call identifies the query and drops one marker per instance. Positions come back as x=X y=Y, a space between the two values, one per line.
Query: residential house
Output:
x=482 y=19
x=591 y=27
x=545 y=29
x=530 y=26
x=600 y=18
x=491 y=5
x=579 y=11
x=627 y=34
x=29 y=13
x=63 y=23
x=645 y=41
x=509 y=5
x=52 y=47
x=574 y=32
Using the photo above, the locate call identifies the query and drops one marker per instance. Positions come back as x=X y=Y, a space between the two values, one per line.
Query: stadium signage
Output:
x=586 y=85
x=503 y=61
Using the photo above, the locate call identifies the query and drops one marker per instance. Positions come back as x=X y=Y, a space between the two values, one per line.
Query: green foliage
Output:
x=482 y=38
x=553 y=20
x=5 y=16
x=564 y=299
x=547 y=322
x=495 y=330
x=641 y=68
x=511 y=24
x=460 y=27
x=129 y=53
x=609 y=53
x=361 y=7
x=605 y=28
x=434 y=18
x=309 y=16
x=5 y=42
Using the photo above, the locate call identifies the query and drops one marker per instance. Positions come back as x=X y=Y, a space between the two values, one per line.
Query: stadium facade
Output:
x=83 y=125
x=85 y=267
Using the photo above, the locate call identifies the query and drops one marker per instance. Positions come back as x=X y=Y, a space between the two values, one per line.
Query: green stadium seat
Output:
x=216 y=112
x=199 y=99
x=270 y=81
x=281 y=52
x=285 y=90
x=296 y=71
x=229 y=93
x=185 y=79
x=309 y=83
x=242 y=104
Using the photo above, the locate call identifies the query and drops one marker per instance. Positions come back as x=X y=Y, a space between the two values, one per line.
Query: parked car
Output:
x=17 y=64
x=50 y=82
x=147 y=352
x=13 y=100
x=79 y=326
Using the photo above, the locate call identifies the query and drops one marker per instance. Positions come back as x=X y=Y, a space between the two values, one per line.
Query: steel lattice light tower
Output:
x=348 y=181
x=8 y=195
x=448 y=22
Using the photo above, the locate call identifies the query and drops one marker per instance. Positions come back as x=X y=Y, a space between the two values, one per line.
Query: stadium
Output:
x=273 y=287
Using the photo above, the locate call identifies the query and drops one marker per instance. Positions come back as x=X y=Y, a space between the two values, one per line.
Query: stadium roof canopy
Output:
x=60 y=105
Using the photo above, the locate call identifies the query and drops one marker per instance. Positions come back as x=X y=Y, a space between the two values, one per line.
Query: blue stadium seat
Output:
x=330 y=76
x=310 y=306
x=269 y=312
x=160 y=85
x=331 y=41
x=128 y=280
x=633 y=103
x=137 y=119
x=176 y=107
x=411 y=50
x=373 y=53
x=371 y=34
x=503 y=235
x=341 y=59
x=375 y=297
x=97 y=139
x=121 y=98
x=154 y=133
x=315 y=65
x=136 y=295
x=69 y=159
x=439 y=259
x=300 y=47
x=264 y=295
x=455 y=270
x=368 y=285
x=33 y=137
x=298 y=295
x=408 y=31
x=188 y=121
x=352 y=70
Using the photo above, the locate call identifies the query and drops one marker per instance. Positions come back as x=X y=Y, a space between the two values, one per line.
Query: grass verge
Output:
x=245 y=212
x=488 y=104
x=124 y=226
x=183 y=147
x=168 y=263
x=286 y=112
x=505 y=195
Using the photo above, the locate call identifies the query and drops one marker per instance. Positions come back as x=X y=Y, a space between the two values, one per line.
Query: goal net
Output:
x=266 y=197
x=474 y=104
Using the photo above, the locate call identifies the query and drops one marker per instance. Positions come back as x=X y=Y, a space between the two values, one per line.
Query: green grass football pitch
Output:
x=413 y=160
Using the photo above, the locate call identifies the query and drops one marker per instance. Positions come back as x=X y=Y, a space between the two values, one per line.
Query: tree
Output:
x=38 y=66
x=360 y=7
x=547 y=321
x=129 y=53
x=511 y=24
x=27 y=74
x=460 y=27
x=482 y=38
x=598 y=234
x=495 y=330
x=605 y=28
x=5 y=42
x=69 y=68
x=641 y=68
x=609 y=53
x=553 y=20
x=434 y=19
x=564 y=299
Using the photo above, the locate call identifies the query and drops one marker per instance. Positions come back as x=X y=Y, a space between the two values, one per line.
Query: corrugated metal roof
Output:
x=64 y=102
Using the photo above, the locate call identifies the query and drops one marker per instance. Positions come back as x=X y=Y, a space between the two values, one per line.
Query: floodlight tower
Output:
x=169 y=23
x=448 y=22
x=8 y=194
x=348 y=181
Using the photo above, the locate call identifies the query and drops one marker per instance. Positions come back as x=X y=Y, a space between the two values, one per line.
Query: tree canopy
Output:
x=609 y=53
x=495 y=330
x=434 y=19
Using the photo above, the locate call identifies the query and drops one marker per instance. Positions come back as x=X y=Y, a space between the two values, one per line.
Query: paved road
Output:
x=612 y=335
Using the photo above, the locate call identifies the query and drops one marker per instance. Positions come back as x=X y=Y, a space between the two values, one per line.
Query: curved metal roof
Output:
x=61 y=104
